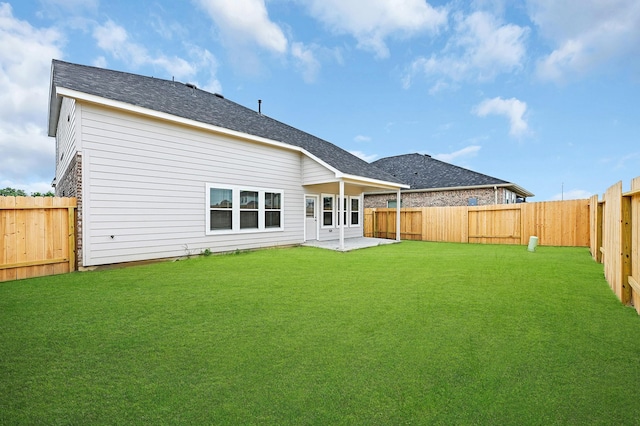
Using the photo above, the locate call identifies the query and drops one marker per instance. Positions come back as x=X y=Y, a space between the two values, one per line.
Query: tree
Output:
x=10 y=192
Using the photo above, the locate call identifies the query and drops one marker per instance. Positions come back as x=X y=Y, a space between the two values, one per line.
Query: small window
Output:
x=327 y=210
x=392 y=204
x=355 y=211
x=221 y=205
x=310 y=208
x=473 y=201
x=248 y=209
x=272 y=209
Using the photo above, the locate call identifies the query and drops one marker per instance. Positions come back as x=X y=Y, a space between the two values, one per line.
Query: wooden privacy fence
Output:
x=555 y=223
x=37 y=236
x=615 y=239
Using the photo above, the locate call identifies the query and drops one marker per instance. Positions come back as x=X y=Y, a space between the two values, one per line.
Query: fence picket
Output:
x=561 y=223
x=37 y=236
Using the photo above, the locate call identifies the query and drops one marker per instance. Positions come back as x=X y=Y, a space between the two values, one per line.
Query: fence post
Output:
x=375 y=223
x=626 y=248
x=599 y=220
x=71 y=220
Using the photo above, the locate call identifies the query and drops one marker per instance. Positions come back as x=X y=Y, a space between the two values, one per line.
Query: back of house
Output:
x=163 y=169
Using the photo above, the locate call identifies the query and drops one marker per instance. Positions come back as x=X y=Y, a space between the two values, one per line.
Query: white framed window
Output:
x=272 y=210
x=238 y=209
x=345 y=211
x=351 y=211
x=328 y=210
x=220 y=202
x=354 y=211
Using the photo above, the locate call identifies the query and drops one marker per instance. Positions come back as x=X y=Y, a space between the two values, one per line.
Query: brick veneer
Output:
x=70 y=185
x=484 y=196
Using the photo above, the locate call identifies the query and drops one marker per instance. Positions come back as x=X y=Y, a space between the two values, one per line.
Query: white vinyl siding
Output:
x=314 y=173
x=144 y=188
x=66 y=138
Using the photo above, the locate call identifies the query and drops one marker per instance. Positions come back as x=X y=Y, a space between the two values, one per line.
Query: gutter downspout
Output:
x=495 y=195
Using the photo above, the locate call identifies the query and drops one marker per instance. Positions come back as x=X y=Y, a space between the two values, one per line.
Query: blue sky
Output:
x=541 y=93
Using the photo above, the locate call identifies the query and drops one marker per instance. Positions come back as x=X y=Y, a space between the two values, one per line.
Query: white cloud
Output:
x=366 y=157
x=246 y=21
x=100 y=62
x=574 y=194
x=207 y=64
x=371 y=23
x=480 y=49
x=362 y=138
x=512 y=108
x=243 y=24
x=306 y=61
x=25 y=64
x=114 y=39
x=464 y=153
x=587 y=34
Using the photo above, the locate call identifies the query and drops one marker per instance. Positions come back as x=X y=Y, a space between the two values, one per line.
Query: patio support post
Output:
x=341 y=214
x=398 y=202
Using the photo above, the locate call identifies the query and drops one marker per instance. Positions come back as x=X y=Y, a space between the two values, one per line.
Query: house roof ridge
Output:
x=182 y=100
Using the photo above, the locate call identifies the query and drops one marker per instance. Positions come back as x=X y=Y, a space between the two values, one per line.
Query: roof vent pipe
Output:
x=260 y=106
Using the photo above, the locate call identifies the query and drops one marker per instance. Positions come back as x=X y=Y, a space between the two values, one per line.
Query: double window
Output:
x=350 y=211
x=240 y=209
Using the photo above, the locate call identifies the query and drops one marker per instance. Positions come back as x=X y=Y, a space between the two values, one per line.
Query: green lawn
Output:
x=410 y=333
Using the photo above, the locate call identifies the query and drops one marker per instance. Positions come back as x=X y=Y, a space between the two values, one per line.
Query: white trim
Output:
x=398 y=207
x=235 y=210
x=341 y=215
x=64 y=92
x=333 y=211
x=338 y=211
x=350 y=211
x=359 y=180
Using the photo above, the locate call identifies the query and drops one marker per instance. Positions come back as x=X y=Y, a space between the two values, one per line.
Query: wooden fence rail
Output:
x=37 y=236
x=615 y=239
x=555 y=223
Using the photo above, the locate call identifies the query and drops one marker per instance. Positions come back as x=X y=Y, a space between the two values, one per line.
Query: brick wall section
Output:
x=461 y=197
x=71 y=186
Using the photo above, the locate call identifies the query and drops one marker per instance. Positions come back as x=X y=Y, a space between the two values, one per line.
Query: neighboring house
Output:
x=162 y=169
x=436 y=183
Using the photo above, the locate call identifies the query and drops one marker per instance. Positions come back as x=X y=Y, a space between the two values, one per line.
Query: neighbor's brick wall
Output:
x=437 y=199
x=71 y=186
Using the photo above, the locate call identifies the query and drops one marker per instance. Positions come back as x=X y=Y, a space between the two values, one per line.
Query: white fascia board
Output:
x=372 y=182
x=54 y=106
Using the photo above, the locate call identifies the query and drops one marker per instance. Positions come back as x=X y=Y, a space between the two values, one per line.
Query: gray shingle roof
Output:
x=424 y=172
x=180 y=100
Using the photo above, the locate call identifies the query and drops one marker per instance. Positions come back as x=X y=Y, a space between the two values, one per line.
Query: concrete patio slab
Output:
x=349 y=243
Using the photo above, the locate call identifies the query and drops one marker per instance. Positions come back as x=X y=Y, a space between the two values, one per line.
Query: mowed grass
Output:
x=411 y=333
